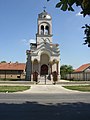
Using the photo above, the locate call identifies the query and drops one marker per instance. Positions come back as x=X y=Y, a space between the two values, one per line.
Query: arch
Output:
x=44 y=23
x=44 y=61
x=44 y=58
x=44 y=69
x=44 y=51
x=35 y=65
x=35 y=61
x=54 y=60
x=46 y=30
x=42 y=30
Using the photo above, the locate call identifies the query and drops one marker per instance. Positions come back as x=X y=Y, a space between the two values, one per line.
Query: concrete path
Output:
x=48 y=89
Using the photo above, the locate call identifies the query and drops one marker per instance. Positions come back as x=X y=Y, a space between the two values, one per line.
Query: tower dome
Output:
x=44 y=15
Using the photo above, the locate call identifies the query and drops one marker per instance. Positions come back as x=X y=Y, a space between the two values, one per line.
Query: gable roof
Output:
x=46 y=46
x=12 y=66
x=82 y=68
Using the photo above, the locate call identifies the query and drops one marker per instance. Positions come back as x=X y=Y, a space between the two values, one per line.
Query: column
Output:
x=57 y=67
x=39 y=67
x=31 y=70
x=32 y=67
x=51 y=67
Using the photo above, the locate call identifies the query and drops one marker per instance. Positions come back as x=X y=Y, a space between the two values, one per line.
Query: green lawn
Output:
x=13 y=88
x=83 y=88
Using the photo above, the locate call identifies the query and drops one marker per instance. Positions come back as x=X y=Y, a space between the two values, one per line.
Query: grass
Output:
x=83 y=88
x=13 y=88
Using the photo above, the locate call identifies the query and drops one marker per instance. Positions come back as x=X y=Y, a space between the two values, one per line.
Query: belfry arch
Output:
x=44 y=28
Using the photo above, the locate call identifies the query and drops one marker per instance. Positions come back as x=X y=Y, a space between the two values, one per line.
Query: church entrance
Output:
x=44 y=69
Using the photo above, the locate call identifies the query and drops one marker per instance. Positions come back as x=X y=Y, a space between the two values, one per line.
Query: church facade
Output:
x=43 y=56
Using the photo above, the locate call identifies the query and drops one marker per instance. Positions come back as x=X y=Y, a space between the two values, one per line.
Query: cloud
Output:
x=32 y=41
x=27 y=42
x=79 y=14
x=24 y=40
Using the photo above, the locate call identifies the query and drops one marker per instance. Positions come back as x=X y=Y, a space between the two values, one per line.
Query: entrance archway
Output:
x=44 y=69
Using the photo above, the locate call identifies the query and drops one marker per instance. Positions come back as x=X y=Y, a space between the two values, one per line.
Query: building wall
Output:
x=87 y=76
x=10 y=74
x=79 y=76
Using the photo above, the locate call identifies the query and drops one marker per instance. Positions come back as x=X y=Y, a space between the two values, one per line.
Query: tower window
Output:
x=46 y=30
x=42 y=30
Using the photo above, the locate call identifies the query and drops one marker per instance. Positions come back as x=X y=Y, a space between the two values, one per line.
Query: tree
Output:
x=68 y=5
x=65 y=69
x=87 y=33
x=3 y=61
x=85 y=7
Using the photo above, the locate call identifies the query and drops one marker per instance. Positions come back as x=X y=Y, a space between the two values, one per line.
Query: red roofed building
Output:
x=83 y=68
x=12 y=70
x=81 y=73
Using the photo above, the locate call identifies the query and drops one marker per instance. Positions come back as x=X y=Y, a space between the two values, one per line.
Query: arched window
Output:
x=42 y=30
x=46 y=30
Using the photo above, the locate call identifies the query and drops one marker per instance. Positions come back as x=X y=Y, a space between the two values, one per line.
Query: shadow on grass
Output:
x=38 y=111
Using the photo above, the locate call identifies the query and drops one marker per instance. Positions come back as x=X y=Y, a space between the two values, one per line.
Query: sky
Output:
x=18 y=27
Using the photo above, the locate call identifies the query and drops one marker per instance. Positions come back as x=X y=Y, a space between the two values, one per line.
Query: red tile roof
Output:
x=12 y=66
x=82 y=68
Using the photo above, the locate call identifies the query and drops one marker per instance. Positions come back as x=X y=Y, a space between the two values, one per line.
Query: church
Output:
x=43 y=56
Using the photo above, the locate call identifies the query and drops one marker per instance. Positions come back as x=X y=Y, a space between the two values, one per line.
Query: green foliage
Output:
x=87 y=34
x=68 y=5
x=3 y=61
x=65 y=69
x=65 y=5
x=85 y=7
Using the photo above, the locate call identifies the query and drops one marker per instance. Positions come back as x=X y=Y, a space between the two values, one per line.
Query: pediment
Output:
x=53 y=50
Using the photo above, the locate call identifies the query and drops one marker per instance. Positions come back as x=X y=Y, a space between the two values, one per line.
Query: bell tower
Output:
x=44 y=28
x=44 y=55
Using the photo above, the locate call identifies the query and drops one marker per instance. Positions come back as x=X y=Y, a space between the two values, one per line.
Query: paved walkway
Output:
x=48 y=89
